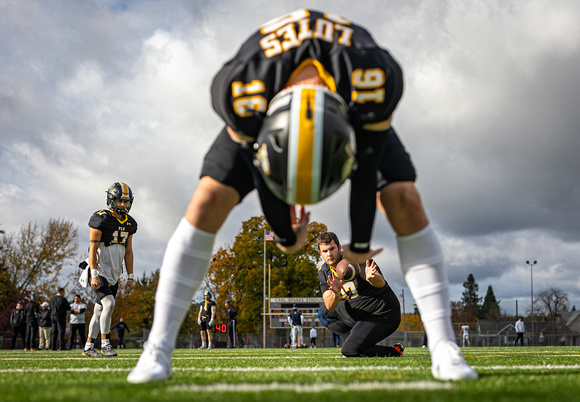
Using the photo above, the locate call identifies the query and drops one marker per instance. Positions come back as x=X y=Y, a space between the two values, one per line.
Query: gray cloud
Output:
x=92 y=93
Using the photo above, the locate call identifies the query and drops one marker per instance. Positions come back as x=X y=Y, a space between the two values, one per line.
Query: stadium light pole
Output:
x=531 y=264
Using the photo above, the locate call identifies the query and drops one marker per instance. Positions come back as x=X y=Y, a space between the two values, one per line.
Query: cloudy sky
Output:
x=93 y=92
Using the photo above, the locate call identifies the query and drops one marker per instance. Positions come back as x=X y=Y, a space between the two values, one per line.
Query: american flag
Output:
x=268 y=235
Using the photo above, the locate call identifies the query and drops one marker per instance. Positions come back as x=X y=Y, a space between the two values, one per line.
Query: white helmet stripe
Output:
x=293 y=150
x=317 y=152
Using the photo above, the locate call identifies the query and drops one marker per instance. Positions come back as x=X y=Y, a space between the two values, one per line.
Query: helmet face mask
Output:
x=306 y=147
x=119 y=191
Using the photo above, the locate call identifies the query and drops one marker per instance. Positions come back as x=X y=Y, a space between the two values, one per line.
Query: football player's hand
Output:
x=359 y=258
x=371 y=270
x=334 y=283
x=95 y=282
x=129 y=285
x=373 y=276
x=199 y=321
x=300 y=227
x=211 y=322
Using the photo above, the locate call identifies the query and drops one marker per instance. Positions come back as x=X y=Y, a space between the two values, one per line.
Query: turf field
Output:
x=506 y=374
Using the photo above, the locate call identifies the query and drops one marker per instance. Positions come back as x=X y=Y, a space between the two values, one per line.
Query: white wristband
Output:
x=130 y=277
x=94 y=273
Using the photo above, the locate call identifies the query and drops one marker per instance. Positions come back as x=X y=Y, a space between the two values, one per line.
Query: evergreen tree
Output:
x=470 y=297
x=490 y=308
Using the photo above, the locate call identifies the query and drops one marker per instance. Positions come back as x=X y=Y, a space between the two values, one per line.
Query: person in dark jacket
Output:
x=121 y=326
x=45 y=325
x=18 y=324
x=31 y=311
x=59 y=306
x=232 y=323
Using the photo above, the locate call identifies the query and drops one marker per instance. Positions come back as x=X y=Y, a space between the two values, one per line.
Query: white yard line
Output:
x=312 y=388
x=287 y=369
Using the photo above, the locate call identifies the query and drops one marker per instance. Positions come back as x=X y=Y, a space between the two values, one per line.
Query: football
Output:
x=347 y=271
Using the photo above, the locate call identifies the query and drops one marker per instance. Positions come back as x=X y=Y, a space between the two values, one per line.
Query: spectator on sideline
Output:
x=121 y=326
x=31 y=310
x=77 y=322
x=313 y=336
x=335 y=340
x=520 y=329
x=18 y=324
x=232 y=323
x=59 y=306
x=45 y=325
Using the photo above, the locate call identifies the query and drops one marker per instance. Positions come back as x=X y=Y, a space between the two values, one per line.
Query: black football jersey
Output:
x=361 y=298
x=113 y=230
x=349 y=60
x=206 y=308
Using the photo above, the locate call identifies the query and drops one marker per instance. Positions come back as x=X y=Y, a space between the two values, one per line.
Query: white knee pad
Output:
x=94 y=325
x=108 y=303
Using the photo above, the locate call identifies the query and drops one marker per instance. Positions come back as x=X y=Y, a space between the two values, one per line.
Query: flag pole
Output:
x=264 y=306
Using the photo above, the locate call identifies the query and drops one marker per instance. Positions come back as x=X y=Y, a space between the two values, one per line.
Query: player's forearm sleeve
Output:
x=370 y=146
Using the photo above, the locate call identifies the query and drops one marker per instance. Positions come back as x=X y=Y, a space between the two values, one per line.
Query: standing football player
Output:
x=110 y=247
x=296 y=321
x=205 y=319
x=307 y=102
x=364 y=311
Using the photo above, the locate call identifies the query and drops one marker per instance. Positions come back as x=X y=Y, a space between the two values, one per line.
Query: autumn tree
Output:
x=32 y=260
x=237 y=272
x=137 y=307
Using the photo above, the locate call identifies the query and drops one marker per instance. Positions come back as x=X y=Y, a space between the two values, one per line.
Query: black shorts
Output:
x=230 y=163
x=106 y=289
x=204 y=326
x=395 y=164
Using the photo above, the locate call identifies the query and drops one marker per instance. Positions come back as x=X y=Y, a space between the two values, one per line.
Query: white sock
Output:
x=184 y=266
x=210 y=345
x=203 y=344
x=422 y=263
x=105 y=342
x=89 y=345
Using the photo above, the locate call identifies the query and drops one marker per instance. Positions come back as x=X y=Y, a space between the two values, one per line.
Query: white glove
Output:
x=199 y=321
x=211 y=322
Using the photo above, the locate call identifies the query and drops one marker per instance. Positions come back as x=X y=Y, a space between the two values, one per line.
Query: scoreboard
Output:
x=281 y=307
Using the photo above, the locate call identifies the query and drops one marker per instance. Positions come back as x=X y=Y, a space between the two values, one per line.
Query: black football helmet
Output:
x=119 y=190
x=206 y=294
x=306 y=147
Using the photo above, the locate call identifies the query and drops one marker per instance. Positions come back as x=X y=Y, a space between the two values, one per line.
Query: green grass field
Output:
x=506 y=374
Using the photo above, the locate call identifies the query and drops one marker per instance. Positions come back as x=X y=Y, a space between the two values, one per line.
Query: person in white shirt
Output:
x=313 y=336
x=77 y=322
x=465 y=332
x=520 y=329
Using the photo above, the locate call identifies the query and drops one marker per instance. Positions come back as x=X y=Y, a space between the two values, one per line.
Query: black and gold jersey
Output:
x=206 y=306
x=362 y=299
x=113 y=230
x=346 y=56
